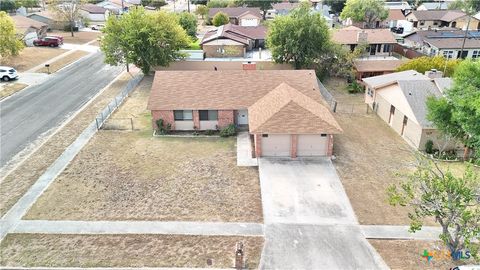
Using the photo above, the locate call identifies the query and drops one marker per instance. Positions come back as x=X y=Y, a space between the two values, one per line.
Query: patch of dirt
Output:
x=79 y=37
x=62 y=62
x=18 y=181
x=134 y=176
x=407 y=254
x=31 y=57
x=10 y=89
x=83 y=251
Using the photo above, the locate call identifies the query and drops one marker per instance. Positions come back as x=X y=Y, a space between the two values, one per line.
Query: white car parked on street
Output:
x=8 y=73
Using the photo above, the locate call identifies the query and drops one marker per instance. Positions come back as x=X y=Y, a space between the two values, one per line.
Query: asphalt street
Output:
x=34 y=111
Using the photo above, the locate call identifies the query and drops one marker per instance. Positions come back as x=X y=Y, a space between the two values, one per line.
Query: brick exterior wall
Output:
x=293 y=147
x=258 y=145
x=196 y=119
x=330 y=145
x=225 y=118
x=167 y=117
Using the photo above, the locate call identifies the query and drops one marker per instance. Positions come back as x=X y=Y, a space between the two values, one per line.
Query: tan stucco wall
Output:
x=230 y=50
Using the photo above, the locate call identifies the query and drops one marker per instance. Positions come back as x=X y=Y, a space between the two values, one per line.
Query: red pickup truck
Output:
x=52 y=41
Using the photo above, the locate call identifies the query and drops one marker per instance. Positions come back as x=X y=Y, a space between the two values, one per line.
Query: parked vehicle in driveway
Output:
x=52 y=41
x=8 y=73
x=97 y=26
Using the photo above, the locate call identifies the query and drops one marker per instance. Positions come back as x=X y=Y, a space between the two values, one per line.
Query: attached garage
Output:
x=312 y=145
x=276 y=145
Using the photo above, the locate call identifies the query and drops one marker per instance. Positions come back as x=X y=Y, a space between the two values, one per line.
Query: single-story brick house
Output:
x=283 y=109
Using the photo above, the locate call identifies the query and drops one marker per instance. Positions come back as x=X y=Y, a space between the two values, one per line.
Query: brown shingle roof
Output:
x=23 y=23
x=285 y=6
x=235 y=11
x=374 y=36
x=437 y=15
x=225 y=89
x=395 y=15
x=287 y=110
x=238 y=33
x=93 y=9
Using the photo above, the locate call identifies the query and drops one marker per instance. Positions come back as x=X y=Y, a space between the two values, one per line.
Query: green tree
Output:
x=7 y=5
x=10 y=44
x=158 y=3
x=263 y=5
x=202 y=10
x=220 y=19
x=335 y=5
x=468 y=6
x=144 y=39
x=368 y=11
x=451 y=200
x=339 y=62
x=189 y=23
x=218 y=3
x=301 y=38
x=458 y=113
x=425 y=63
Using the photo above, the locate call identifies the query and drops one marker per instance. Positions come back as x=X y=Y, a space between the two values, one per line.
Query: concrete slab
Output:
x=244 y=150
x=294 y=246
x=306 y=191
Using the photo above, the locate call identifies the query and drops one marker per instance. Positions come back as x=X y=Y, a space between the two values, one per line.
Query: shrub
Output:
x=429 y=147
x=228 y=131
x=162 y=128
x=220 y=19
x=209 y=132
x=355 y=87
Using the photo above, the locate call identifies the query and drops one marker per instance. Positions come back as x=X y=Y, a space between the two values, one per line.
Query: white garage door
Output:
x=276 y=145
x=312 y=145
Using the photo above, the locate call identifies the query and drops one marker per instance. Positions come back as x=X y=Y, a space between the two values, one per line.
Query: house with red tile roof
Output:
x=282 y=109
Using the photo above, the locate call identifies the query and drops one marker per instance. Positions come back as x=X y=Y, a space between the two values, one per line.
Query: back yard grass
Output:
x=369 y=154
x=83 y=251
x=130 y=175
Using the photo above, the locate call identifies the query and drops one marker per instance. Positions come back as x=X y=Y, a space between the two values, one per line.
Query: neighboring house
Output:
x=400 y=5
x=29 y=29
x=94 y=13
x=243 y=16
x=447 y=43
x=116 y=7
x=365 y=68
x=282 y=8
x=52 y=20
x=233 y=40
x=428 y=19
x=380 y=41
x=394 y=17
x=400 y=98
x=433 y=6
x=282 y=109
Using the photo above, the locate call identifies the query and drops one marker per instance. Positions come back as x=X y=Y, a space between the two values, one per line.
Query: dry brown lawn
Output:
x=31 y=57
x=40 y=250
x=79 y=37
x=407 y=254
x=134 y=176
x=63 y=62
x=10 y=89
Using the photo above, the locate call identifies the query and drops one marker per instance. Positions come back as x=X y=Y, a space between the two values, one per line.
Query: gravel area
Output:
x=40 y=250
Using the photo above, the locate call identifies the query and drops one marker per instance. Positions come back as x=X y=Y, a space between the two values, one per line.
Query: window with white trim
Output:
x=183 y=115
x=448 y=54
x=210 y=115
x=476 y=54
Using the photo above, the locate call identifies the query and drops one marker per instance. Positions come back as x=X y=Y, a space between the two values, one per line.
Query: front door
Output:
x=242 y=117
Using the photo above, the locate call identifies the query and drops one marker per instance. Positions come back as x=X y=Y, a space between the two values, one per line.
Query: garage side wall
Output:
x=167 y=117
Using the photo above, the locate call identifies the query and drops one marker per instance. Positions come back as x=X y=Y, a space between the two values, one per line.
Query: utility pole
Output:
x=123 y=7
x=188 y=5
x=465 y=36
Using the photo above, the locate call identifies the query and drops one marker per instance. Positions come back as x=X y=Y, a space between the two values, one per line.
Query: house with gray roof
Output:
x=400 y=99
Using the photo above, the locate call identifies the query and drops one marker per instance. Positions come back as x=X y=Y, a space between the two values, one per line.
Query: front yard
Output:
x=31 y=57
x=80 y=37
x=134 y=176
x=50 y=250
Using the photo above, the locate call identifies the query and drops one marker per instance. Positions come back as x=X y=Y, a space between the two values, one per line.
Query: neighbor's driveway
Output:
x=309 y=222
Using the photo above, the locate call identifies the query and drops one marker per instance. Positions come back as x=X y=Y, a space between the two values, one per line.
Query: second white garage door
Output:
x=312 y=145
x=276 y=145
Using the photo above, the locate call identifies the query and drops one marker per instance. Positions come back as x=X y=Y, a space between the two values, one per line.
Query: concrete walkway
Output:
x=138 y=227
x=399 y=232
x=244 y=150
x=11 y=219
x=309 y=221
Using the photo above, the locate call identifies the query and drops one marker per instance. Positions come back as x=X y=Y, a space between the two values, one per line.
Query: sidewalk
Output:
x=400 y=232
x=244 y=150
x=139 y=227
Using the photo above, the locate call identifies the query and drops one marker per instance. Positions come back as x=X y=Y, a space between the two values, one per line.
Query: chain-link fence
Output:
x=117 y=101
x=327 y=95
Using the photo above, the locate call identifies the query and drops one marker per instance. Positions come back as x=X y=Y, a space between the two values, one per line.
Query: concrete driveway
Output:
x=309 y=222
x=303 y=191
